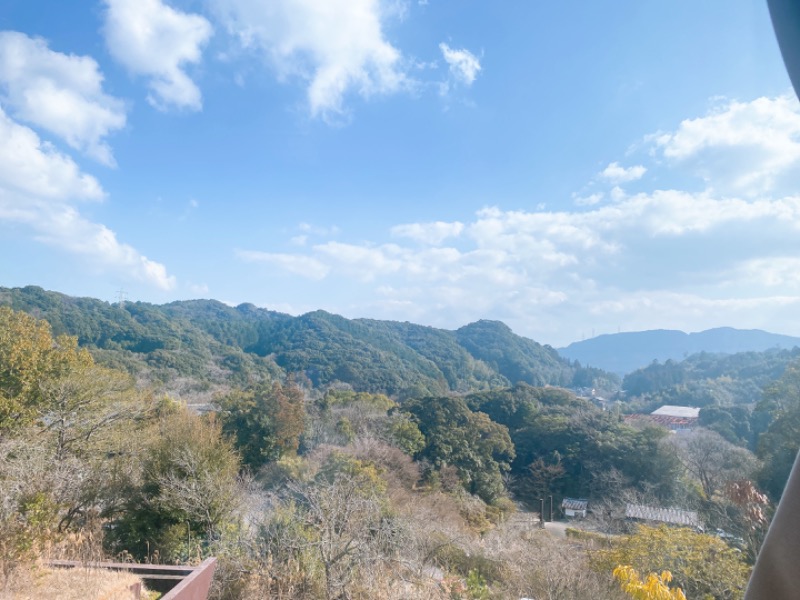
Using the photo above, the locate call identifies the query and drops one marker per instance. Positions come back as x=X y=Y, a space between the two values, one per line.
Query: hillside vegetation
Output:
x=363 y=459
x=623 y=353
x=728 y=389
x=198 y=345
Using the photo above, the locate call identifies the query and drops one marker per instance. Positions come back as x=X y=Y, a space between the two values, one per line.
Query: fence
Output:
x=179 y=582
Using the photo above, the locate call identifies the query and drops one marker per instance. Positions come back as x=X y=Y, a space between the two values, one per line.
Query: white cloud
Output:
x=337 y=46
x=58 y=92
x=770 y=272
x=615 y=173
x=152 y=39
x=662 y=309
x=617 y=194
x=675 y=258
x=38 y=185
x=740 y=147
x=308 y=230
x=362 y=262
x=553 y=239
x=63 y=227
x=191 y=207
x=464 y=65
x=432 y=234
x=317 y=230
x=695 y=312
x=522 y=266
x=30 y=166
x=298 y=240
x=299 y=265
x=200 y=289
x=589 y=200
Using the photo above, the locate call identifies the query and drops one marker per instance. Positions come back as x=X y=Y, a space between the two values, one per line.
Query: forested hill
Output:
x=200 y=345
x=623 y=353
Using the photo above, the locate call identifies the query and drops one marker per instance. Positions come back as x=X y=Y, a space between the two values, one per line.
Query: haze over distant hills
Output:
x=622 y=353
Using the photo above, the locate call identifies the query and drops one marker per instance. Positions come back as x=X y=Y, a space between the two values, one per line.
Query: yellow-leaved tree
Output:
x=68 y=437
x=702 y=565
x=29 y=356
x=654 y=587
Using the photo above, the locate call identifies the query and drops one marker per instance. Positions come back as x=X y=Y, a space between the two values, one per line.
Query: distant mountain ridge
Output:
x=199 y=347
x=622 y=353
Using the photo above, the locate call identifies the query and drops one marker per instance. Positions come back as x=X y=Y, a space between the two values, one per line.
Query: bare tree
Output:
x=85 y=403
x=352 y=531
x=538 y=565
x=712 y=460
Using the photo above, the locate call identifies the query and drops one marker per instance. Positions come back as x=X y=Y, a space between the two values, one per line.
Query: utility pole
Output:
x=551 y=508
x=541 y=513
x=121 y=297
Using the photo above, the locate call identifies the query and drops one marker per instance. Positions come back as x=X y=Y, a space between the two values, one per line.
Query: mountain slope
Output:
x=623 y=353
x=515 y=357
x=167 y=350
x=211 y=345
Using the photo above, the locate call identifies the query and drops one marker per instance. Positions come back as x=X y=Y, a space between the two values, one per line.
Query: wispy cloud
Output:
x=433 y=234
x=464 y=65
x=588 y=200
x=60 y=93
x=769 y=272
x=64 y=227
x=614 y=173
x=307 y=266
x=157 y=41
x=318 y=230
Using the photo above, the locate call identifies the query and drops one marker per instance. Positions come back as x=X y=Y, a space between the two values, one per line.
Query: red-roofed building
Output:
x=675 y=418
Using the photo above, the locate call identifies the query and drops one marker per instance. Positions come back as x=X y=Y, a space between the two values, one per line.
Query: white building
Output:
x=575 y=507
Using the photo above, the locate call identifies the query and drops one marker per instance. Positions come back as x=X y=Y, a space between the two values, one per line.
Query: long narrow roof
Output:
x=673 y=516
x=669 y=410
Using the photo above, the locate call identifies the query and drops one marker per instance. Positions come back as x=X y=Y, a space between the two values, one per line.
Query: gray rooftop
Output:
x=673 y=516
x=574 y=504
x=668 y=410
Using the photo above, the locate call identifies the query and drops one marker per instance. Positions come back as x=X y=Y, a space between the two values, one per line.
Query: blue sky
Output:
x=571 y=168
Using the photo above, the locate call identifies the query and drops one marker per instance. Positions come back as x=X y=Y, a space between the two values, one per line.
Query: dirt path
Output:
x=530 y=521
x=557 y=528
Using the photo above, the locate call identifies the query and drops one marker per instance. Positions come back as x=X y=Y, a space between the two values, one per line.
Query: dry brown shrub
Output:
x=36 y=582
x=536 y=564
x=397 y=468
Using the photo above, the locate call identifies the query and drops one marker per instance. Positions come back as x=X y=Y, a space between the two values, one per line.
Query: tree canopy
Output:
x=471 y=442
x=265 y=421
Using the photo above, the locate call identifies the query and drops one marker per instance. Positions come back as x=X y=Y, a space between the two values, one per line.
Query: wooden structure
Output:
x=575 y=507
x=178 y=581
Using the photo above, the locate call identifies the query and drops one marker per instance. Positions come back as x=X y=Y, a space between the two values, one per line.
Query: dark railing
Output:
x=179 y=582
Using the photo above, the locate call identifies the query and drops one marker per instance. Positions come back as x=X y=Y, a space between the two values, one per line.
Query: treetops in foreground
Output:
x=333 y=493
x=198 y=346
x=654 y=587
